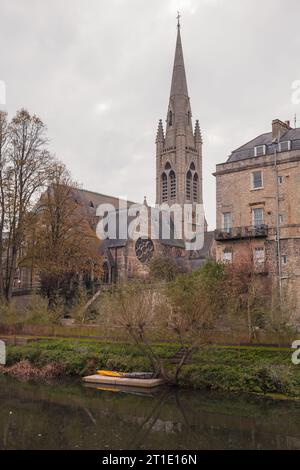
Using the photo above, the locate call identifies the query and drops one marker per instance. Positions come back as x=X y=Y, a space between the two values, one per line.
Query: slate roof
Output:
x=96 y=199
x=205 y=251
x=247 y=150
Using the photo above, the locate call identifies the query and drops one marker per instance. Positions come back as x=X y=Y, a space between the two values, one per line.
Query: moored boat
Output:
x=127 y=375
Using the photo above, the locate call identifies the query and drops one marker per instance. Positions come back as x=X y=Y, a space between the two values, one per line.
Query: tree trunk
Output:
x=1 y=279
x=1 y=259
x=11 y=274
x=187 y=353
x=249 y=321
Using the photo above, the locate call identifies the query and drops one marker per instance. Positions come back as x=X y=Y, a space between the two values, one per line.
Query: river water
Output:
x=70 y=415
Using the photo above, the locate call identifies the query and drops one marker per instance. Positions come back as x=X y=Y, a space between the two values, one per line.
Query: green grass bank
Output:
x=263 y=370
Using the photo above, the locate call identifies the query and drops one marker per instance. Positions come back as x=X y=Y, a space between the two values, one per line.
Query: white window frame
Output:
x=227 y=256
x=280 y=179
x=228 y=227
x=253 y=216
x=284 y=260
x=284 y=142
x=252 y=180
x=259 y=259
x=264 y=147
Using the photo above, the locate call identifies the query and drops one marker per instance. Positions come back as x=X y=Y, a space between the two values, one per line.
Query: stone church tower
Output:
x=179 y=148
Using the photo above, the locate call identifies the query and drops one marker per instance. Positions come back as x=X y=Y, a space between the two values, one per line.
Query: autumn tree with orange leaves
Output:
x=62 y=245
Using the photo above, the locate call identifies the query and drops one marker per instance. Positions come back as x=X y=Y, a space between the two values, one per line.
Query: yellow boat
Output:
x=110 y=373
x=128 y=375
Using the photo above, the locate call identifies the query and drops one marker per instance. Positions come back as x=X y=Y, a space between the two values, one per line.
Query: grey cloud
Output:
x=99 y=74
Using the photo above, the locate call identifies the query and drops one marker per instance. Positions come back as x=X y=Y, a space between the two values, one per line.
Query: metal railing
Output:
x=236 y=233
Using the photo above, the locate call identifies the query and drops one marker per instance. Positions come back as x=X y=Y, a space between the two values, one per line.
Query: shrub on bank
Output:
x=237 y=378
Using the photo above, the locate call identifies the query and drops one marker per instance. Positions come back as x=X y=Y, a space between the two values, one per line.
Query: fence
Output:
x=118 y=334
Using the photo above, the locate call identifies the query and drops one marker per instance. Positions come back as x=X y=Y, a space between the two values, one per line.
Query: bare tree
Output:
x=186 y=309
x=3 y=156
x=248 y=294
x=197 y=305
x=26 y=169
x=133 y=307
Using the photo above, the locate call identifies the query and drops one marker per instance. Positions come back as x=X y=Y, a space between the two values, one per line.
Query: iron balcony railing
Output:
x=236 y=233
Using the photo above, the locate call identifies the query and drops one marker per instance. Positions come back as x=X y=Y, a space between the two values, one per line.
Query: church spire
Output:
x=179 y=83
x=178 y=145
x=179 y=118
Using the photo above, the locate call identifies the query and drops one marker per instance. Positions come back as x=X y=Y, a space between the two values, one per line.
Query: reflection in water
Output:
x=70 y=416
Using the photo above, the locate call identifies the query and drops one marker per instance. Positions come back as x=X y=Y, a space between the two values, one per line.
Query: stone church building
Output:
x=178 y=181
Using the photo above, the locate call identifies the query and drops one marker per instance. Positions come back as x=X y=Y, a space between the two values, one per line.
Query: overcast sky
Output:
x=98 y=72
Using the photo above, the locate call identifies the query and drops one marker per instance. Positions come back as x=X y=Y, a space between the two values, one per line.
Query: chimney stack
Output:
x=279 y=128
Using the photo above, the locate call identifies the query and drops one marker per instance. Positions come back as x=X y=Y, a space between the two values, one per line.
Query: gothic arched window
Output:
x=188 y=184
x=170 y=118
x=164 y=187
x=167 y=166
x=189 y=118
x=195 y=187
x=192 y=166
x=172 y=185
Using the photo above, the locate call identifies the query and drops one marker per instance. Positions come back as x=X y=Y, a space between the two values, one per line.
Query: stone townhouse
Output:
x=258 y=207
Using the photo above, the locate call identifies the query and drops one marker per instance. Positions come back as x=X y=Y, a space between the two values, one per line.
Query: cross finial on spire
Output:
x=178 y=19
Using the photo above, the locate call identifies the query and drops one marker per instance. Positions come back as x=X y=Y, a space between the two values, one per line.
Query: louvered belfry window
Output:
x=195 y=187
x=188 y=184
x=172 y=185
x=164 y=183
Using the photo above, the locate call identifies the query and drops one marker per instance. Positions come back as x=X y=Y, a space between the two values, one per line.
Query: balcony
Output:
x=241 y=233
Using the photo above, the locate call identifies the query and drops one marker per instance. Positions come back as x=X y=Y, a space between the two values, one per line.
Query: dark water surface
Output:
x=70 y=415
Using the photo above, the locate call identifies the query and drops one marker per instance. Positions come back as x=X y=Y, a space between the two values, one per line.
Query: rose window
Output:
x=144 y=249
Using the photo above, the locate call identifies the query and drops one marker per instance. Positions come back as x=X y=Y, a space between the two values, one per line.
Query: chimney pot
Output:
x=279 y=128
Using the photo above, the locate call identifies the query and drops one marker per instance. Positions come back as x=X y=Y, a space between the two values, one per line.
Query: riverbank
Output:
x=229 y=369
